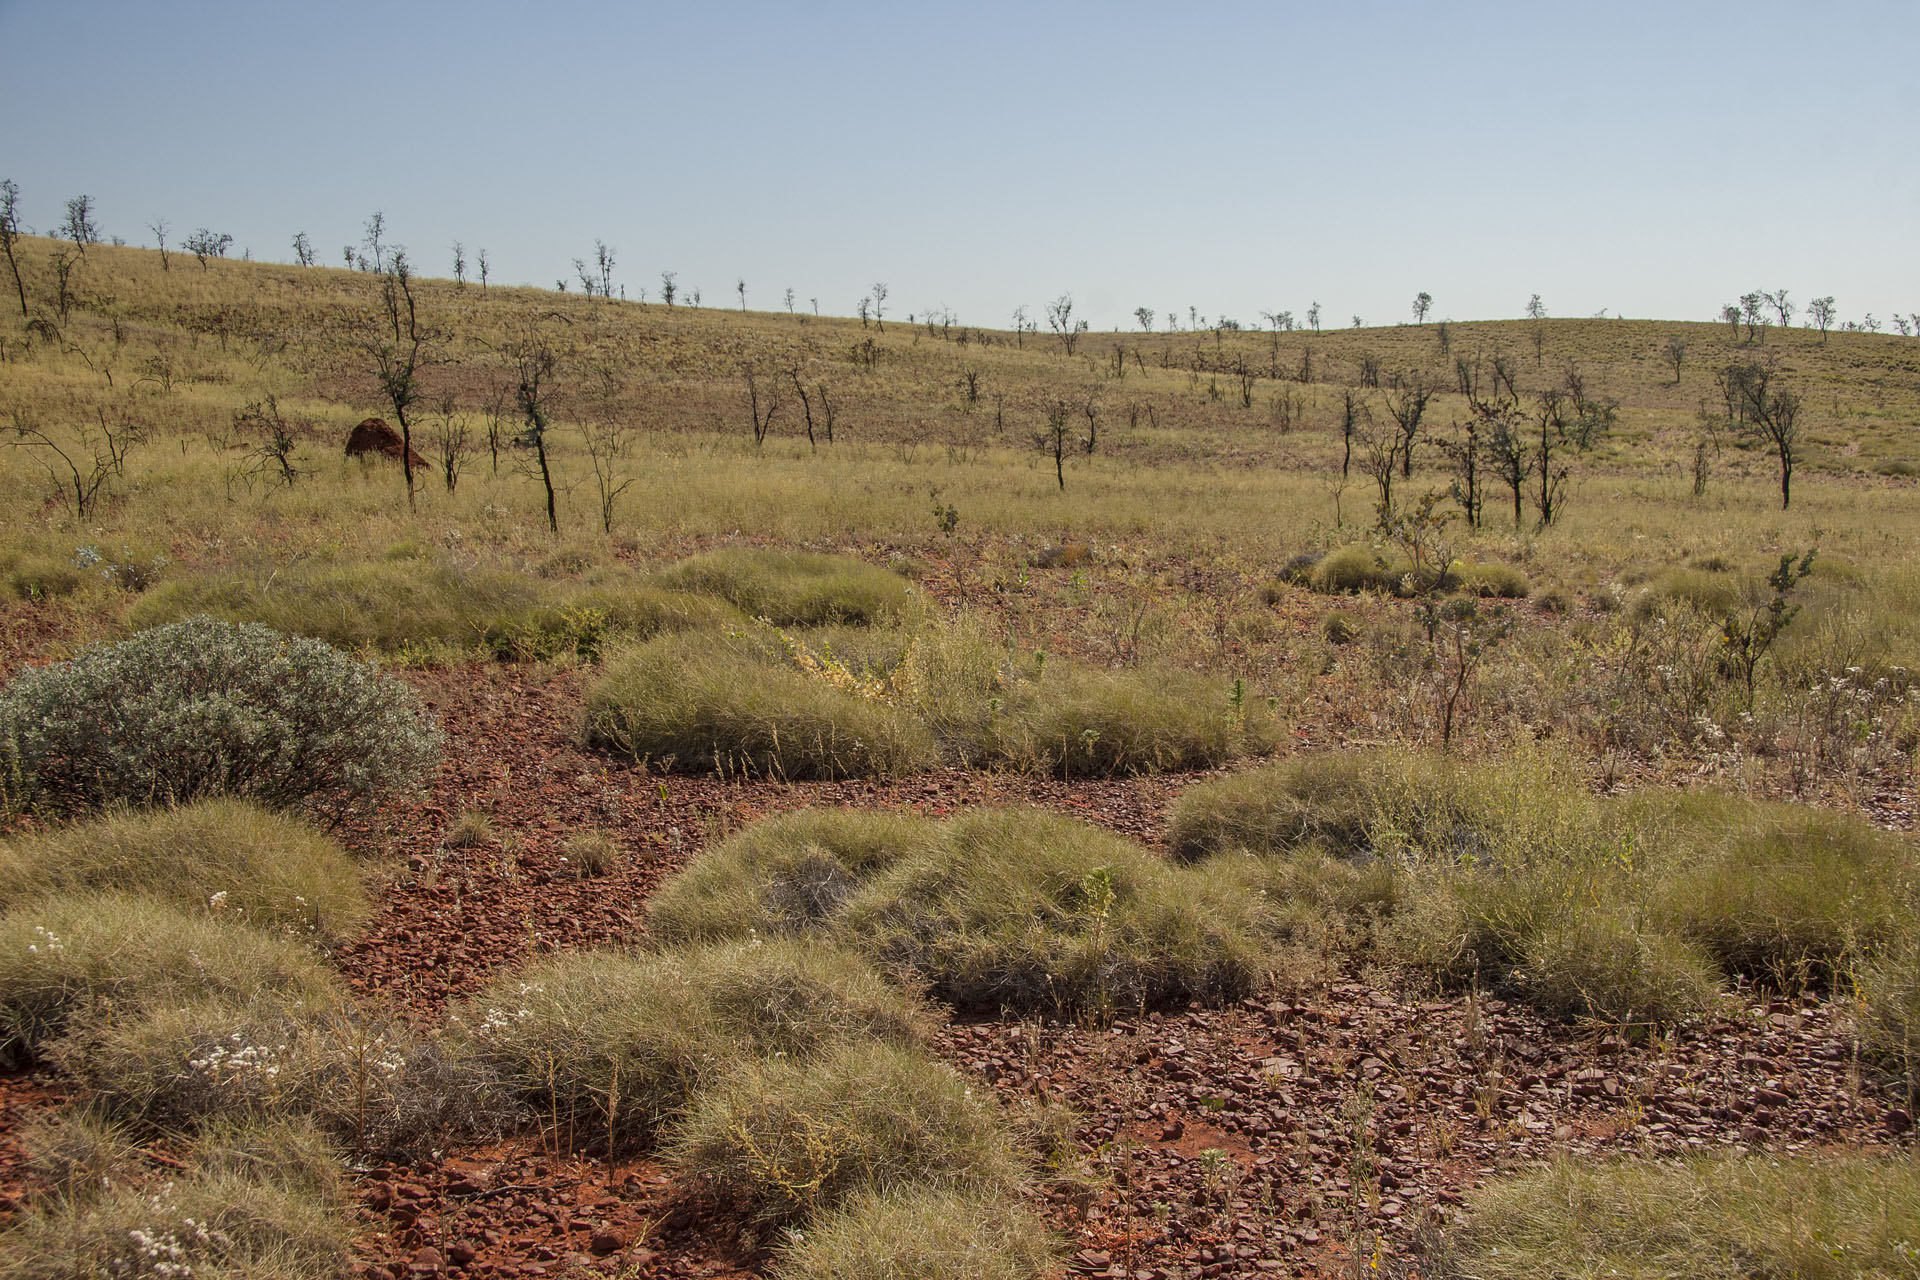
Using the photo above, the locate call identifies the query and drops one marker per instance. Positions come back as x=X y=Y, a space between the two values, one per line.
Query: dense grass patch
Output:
x=386 y=605
x=608 y=1046
x=372 y=1084
x=1812 y=1218
x=221 y=855
x=224 y=1219
x=65 y=957
x=721 y=701
x=1357 y=568
x=1889 y=991
x=920 y=1233
x=786 y=1139
x=1630 y=911
x=998 y=909
x=203 y=708
x=1075 y=721
x=410 y=603
x=795 y=588
x=785 y=875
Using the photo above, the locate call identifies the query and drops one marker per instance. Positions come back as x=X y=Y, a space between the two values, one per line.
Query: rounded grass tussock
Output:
x=795 y=588
x=610 y=1046
x=220 y=855
x=719 y=701
x=785 y=1139
x=63 y=957
x=1014 y=909
x=921 y=1233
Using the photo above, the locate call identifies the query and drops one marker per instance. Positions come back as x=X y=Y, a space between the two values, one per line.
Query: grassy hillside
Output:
x=1215 y=460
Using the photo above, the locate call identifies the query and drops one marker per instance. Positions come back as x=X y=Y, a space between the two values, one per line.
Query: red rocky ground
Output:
x=1277 y=1137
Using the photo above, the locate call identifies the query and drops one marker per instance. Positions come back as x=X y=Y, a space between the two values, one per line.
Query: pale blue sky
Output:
x=1646 y=158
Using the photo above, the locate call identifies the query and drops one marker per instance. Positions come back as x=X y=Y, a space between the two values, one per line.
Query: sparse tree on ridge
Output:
x=1313 y=316
x=1060 y=320
x=159 y=228
x=1782 y=306
x=1820 y=312
x=879 y=305
x=10 y=231
x=480 y=262
x=740 y=286
x=302 y=249
x=459 y=265
x=1145 y=316
x=669 y=286
x=397 y=343
x=79 y=226
x=1422 y=305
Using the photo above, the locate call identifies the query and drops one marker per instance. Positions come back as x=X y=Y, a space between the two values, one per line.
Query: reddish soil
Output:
x=1273 y=1138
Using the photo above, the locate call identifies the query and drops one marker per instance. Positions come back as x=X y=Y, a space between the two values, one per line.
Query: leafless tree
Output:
x=481 y=264
x=452 y=441
x=1781 y=304
x=1060 y=320
x=1407 y=396
x=1550 y=441
x=609 y=440
x=79 y=225
x=603 y=264
x=207 y=245
x=302 y=249
x=1821 y=312
x=10 y=231
x=83 y=469
x=740 y=287
x=397 y=343
x=1380 y=459
x=1676 y=353
x=1758 y=405
x=273 y=455
x=756 y=397
x=879 y=305
x=459 y=265
x=1054 y=439
x=159 y=228
x=535 y=367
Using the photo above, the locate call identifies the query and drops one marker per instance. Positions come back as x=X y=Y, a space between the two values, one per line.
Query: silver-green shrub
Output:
x=204 y=707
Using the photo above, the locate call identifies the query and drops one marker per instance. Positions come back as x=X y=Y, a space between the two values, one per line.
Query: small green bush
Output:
x=1703 y=591
x=1787 y=895
x=220 y=855
x=26 y=576
x=1322 y=798
x=1829 y=1217
x=1340 y=628
x=1500 y=581
x=63 y=957
x=1077 y=721
x=716 y=701
x=1599 y=963
x=203 y=708
x=581 y=621
x=609 y=1046
x=921 y=1233
x=795 y=588
x=1356 y=568
x=1026 y=910
x=784 y=875
x=788 y=1139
